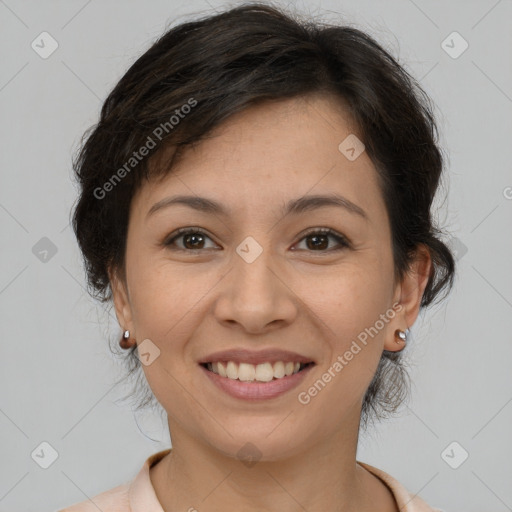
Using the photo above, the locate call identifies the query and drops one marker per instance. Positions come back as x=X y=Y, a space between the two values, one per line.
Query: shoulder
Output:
x=406 y=501
x=113 y=500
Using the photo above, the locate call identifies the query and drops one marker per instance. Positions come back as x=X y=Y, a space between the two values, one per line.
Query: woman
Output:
x=255 y=200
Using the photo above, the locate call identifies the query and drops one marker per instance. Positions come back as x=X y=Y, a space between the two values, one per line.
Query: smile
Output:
x=255 y=382
x=247 y=372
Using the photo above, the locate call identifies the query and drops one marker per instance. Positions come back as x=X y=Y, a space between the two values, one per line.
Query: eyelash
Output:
x=342 y=241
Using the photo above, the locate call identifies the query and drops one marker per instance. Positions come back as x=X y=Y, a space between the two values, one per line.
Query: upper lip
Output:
x=256 y=357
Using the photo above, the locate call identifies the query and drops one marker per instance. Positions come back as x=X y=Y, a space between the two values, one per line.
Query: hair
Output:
x=201 y=72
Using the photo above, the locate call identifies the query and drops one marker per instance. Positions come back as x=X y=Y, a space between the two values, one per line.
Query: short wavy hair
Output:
x=223 y=63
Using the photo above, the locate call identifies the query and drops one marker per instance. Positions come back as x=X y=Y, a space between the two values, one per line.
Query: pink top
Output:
x=139 y=495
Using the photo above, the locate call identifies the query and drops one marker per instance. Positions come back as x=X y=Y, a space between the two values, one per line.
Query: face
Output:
x=253 y=276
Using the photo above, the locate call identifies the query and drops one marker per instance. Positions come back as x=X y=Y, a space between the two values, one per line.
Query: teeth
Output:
x=279 y=370
x=246 y=372
x=264 y=372
x=232 y=370
x=221 y=370
x=289 y=368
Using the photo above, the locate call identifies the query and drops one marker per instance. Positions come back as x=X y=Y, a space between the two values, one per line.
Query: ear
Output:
x=121 y=300
x=408 y=295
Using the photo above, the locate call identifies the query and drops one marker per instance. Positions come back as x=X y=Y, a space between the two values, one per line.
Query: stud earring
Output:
x=400 y=337
x=125 y=340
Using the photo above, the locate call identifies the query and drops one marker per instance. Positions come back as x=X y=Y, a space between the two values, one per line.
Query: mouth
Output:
x=257 y=373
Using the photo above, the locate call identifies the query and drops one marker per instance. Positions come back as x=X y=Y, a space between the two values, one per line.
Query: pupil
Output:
x=194 y=238
x=318 y=244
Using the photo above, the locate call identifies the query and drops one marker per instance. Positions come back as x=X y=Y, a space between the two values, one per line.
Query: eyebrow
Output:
x=294 y=206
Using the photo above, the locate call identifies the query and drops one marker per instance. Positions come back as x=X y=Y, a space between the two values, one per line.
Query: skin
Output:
x=314 y=301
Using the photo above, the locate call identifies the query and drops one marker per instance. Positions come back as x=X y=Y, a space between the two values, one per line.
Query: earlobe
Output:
x=408 y=294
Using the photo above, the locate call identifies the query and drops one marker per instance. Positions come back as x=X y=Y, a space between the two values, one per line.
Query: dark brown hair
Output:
x=201 y=72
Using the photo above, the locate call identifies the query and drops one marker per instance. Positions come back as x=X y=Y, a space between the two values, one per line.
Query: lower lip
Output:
x=257 y=390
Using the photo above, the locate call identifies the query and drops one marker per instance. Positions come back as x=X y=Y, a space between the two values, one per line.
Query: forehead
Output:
x=270 y=153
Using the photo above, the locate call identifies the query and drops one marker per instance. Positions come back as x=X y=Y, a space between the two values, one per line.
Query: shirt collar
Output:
x=141 y=492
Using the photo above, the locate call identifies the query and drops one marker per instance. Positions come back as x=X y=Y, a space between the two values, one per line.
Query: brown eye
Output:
x=191 y=239
x=318 y=240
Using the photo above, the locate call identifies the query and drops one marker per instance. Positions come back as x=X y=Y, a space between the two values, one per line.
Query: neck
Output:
x=323 y=477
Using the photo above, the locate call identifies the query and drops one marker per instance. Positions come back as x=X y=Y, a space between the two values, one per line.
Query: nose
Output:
x=256 y=296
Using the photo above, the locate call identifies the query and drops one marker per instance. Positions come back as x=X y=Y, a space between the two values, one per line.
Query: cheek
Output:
x=349 y=303
x=168 y=300
x=167 y=308
x=159 y=299
x=351 y=297
x=350 y=311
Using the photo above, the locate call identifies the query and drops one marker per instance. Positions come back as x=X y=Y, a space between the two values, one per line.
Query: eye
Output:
x=192 y=238
x=318 y=240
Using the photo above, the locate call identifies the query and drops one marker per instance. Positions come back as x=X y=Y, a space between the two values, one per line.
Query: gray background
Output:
x=57 y=375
